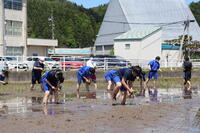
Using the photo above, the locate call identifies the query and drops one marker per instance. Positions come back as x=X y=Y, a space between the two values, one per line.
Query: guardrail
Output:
x=17 y=63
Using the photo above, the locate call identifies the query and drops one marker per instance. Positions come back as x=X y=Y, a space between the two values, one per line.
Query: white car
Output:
x=49 y=63
x=12 y=63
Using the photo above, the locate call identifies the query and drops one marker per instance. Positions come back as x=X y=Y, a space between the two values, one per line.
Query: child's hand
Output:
x=59 y=89
x=131 y=91
x=88 y=81
x=53 y=87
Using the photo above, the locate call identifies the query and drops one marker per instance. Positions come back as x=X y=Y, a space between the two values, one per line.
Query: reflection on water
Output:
x=33 y=104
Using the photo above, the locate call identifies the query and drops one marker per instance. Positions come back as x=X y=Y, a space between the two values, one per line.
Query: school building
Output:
x=13 y=32
x=124 y=16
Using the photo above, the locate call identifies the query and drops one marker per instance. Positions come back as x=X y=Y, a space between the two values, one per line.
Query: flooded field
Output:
x=162 y=110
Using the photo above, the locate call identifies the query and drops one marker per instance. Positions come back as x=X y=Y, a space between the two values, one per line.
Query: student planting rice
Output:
x=154 y=66
x=123 y=79
x=141 y=77
x=187 y=74
x=110 y=78
x=51 y=81
x=92 y=64
x=38 y=67
x=84 y=75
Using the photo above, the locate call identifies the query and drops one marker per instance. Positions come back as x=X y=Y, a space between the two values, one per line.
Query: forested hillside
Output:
x=75 y=26
x=195 y=7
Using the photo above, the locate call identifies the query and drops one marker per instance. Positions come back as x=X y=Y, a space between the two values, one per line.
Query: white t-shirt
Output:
x=91 y=63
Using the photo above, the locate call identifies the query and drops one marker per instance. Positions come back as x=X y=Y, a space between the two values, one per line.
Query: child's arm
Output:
x=86 y=79
x=37 y=68
x=130 y=83
x=126 y=86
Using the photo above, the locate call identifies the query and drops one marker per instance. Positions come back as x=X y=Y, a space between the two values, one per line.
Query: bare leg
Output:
x=46 y=97
x=124 y=93
x=87 y=87
x=115 y=91
x=154 y=82
x=32 y=86
x=56 y=96
x=45 y=110
x=41 y=86
x=146 y=84
x=109 y=88
x=95 y=86
x=189 y=85
x=77 y=91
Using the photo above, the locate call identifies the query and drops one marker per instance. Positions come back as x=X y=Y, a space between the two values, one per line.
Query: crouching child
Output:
x=51 y=81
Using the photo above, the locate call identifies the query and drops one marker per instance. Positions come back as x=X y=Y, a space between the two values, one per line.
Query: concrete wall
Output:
x=41 y=51
x=132 y=53
x=42 y=42
x=146 y=49
x=151 y=46
x=25 y=76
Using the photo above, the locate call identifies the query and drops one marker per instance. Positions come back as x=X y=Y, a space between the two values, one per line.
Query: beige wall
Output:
x=42 y=42
x=145 y=49
x=40 y=50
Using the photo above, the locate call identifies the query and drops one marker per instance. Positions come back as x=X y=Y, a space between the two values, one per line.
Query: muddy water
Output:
x=162 y=110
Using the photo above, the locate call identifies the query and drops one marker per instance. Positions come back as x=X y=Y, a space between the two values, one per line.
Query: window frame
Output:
x=127 y=46
x=13 y=4
x=13 y=28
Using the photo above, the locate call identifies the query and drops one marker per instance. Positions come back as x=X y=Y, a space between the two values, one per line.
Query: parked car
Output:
x=72 y=63
x=14 y=63
x=110 y=61
x=49 y=63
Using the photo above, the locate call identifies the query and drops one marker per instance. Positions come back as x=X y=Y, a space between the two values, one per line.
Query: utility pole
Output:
x=186 y=29
x=51 y=19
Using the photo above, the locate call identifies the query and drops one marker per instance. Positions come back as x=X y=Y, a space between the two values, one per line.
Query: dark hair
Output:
x=136 y=69
x=59 y=76
x=92 y=55
x=158 y=58
x=92 y=70
x=186 y=58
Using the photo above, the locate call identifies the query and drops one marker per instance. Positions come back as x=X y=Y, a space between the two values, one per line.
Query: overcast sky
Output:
x=94 y=3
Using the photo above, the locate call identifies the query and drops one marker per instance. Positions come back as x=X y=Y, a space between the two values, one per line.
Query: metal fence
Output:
x=18 y=63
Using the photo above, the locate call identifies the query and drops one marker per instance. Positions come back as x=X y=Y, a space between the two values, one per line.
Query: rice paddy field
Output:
x=166 y=111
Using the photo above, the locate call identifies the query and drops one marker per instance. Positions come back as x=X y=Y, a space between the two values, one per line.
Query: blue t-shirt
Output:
x=84 y=71
x=155 y=65
x=126 y=73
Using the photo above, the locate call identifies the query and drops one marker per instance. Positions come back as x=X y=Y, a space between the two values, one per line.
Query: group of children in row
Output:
x=118 y=81
x=121 y=80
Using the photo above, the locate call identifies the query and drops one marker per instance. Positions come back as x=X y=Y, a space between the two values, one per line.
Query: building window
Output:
x=127 y=46
x=14 y=51
x=99 y=48
x=13 y=28
x=108 y=47
x=13 y=4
